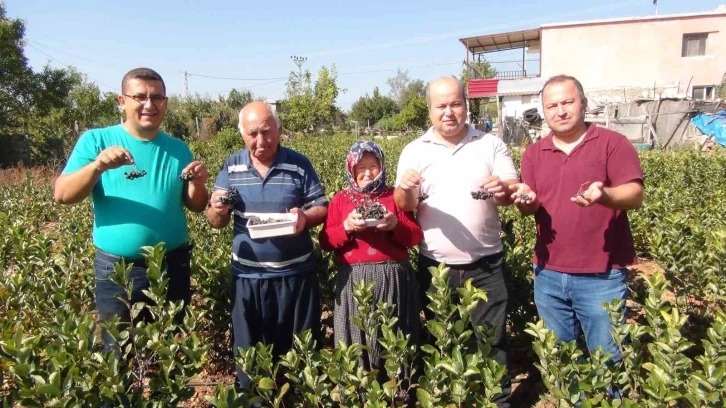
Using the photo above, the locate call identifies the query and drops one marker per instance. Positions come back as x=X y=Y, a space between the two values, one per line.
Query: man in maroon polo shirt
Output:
x=580 y=180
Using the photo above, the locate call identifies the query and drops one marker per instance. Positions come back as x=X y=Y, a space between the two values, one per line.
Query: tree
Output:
x=237 y=99
x=399 y=83
x=414 y=89
x=371 y=109
x=307 y=107
x=325 y=93
x=414 y=114
x=16 y=77
x=478 y=70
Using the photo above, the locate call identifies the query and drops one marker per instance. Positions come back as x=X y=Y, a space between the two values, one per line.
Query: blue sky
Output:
x=254 y=41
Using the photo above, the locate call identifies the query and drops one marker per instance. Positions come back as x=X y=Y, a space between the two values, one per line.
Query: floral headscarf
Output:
x=354 y=155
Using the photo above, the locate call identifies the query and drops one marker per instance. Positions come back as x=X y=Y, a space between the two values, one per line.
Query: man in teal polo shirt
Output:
x=133 y=174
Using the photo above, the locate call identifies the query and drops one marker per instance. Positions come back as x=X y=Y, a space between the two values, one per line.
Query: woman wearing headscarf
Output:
x=371 y=253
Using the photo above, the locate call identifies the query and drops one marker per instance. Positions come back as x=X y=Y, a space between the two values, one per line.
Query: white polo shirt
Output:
x=457 y=228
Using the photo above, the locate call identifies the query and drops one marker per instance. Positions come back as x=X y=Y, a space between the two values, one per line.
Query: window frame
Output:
x=700 y=48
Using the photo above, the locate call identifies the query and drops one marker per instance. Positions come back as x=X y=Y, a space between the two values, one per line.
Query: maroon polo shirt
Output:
x=570 y=238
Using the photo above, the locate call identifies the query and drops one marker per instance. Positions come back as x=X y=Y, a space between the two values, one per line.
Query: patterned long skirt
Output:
x=395 y=284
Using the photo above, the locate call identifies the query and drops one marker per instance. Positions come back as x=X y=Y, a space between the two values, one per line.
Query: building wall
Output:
x=635 y=54
x=513 y=105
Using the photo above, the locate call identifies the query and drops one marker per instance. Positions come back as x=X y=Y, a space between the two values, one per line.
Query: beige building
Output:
x=681 y=55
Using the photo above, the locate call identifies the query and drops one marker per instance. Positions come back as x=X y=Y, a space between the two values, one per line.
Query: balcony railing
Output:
x=512 y=74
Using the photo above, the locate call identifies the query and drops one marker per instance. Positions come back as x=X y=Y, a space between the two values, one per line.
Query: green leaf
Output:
x=266 y=383
x=49 y=389
x=424 y=398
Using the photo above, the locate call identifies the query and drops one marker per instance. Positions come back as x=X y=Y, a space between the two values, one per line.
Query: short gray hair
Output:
x=462 y=91
x=273 y=112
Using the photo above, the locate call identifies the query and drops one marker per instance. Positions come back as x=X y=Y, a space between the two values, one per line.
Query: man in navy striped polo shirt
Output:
x=276 y=291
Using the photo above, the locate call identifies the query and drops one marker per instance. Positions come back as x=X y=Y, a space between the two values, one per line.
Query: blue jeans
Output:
x=177 y=263
x=569 y=303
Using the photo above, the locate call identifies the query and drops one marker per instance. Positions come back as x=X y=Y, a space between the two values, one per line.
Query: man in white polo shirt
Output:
x=456 y=176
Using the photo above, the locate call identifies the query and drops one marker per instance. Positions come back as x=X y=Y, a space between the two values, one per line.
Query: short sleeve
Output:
x=623 y=163
x=84 y=152
x=313 y=191
x=405 y=162
x=222 y=181
x=503 y=163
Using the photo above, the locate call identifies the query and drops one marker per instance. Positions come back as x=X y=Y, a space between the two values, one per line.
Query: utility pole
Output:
x=299 y=61
x=655 y=3
x=186 y=84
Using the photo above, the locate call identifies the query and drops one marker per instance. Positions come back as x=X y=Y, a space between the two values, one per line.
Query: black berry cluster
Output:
x=231 y=197
x=263 y=221
x=423 y=196
x=525 y=197
x=187 y=176
x=371 y=212
x=481 y=195
x=133 y=174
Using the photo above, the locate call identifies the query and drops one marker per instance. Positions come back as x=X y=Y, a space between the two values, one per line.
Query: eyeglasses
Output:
x=155 y=99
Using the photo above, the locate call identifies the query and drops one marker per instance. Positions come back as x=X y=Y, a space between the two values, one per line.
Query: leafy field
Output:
x=51 y=353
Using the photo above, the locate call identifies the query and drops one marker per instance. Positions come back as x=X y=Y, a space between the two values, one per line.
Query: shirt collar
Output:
x=471 y=133
x=592 y=133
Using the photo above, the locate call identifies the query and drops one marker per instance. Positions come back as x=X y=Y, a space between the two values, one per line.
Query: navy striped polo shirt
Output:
x=290 y=182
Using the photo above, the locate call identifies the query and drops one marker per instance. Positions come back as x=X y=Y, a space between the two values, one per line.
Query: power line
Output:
x=394 y=69
x=70 y=66
x=232 y=78
x=94 y=62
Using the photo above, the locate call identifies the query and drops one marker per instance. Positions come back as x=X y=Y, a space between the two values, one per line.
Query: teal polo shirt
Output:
x=129 y=214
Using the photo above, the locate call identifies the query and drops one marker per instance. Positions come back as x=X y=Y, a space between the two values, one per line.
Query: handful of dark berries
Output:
x=481 y=195
x=371 y=211
x=187 y=176
x=263 y=221
x=423 y=196
x=231 y=197
x=134 y=174
x=524 y=197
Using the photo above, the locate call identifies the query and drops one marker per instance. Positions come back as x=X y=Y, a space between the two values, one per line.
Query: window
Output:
x=707 y=93
x=694 y=45
x=526 y=99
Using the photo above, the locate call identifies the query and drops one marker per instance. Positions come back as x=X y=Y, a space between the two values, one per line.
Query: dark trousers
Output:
x=178 y=267
x=488 y=274
x=271 y=310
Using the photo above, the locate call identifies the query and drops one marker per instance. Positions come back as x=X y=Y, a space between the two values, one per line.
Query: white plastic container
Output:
x=274 y=229
x=373 y=223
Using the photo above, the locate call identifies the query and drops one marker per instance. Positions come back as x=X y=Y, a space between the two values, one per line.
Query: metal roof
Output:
x=501 y=41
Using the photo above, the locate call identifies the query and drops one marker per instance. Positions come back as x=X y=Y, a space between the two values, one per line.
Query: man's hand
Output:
x=591 y=196
x=523 y=194
x=494 y=185
x=113 y=157
x=411 y=180
x=220 y=209
x=389 y=222
x=302 y=220
x=199 y=173
x=354 y=222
